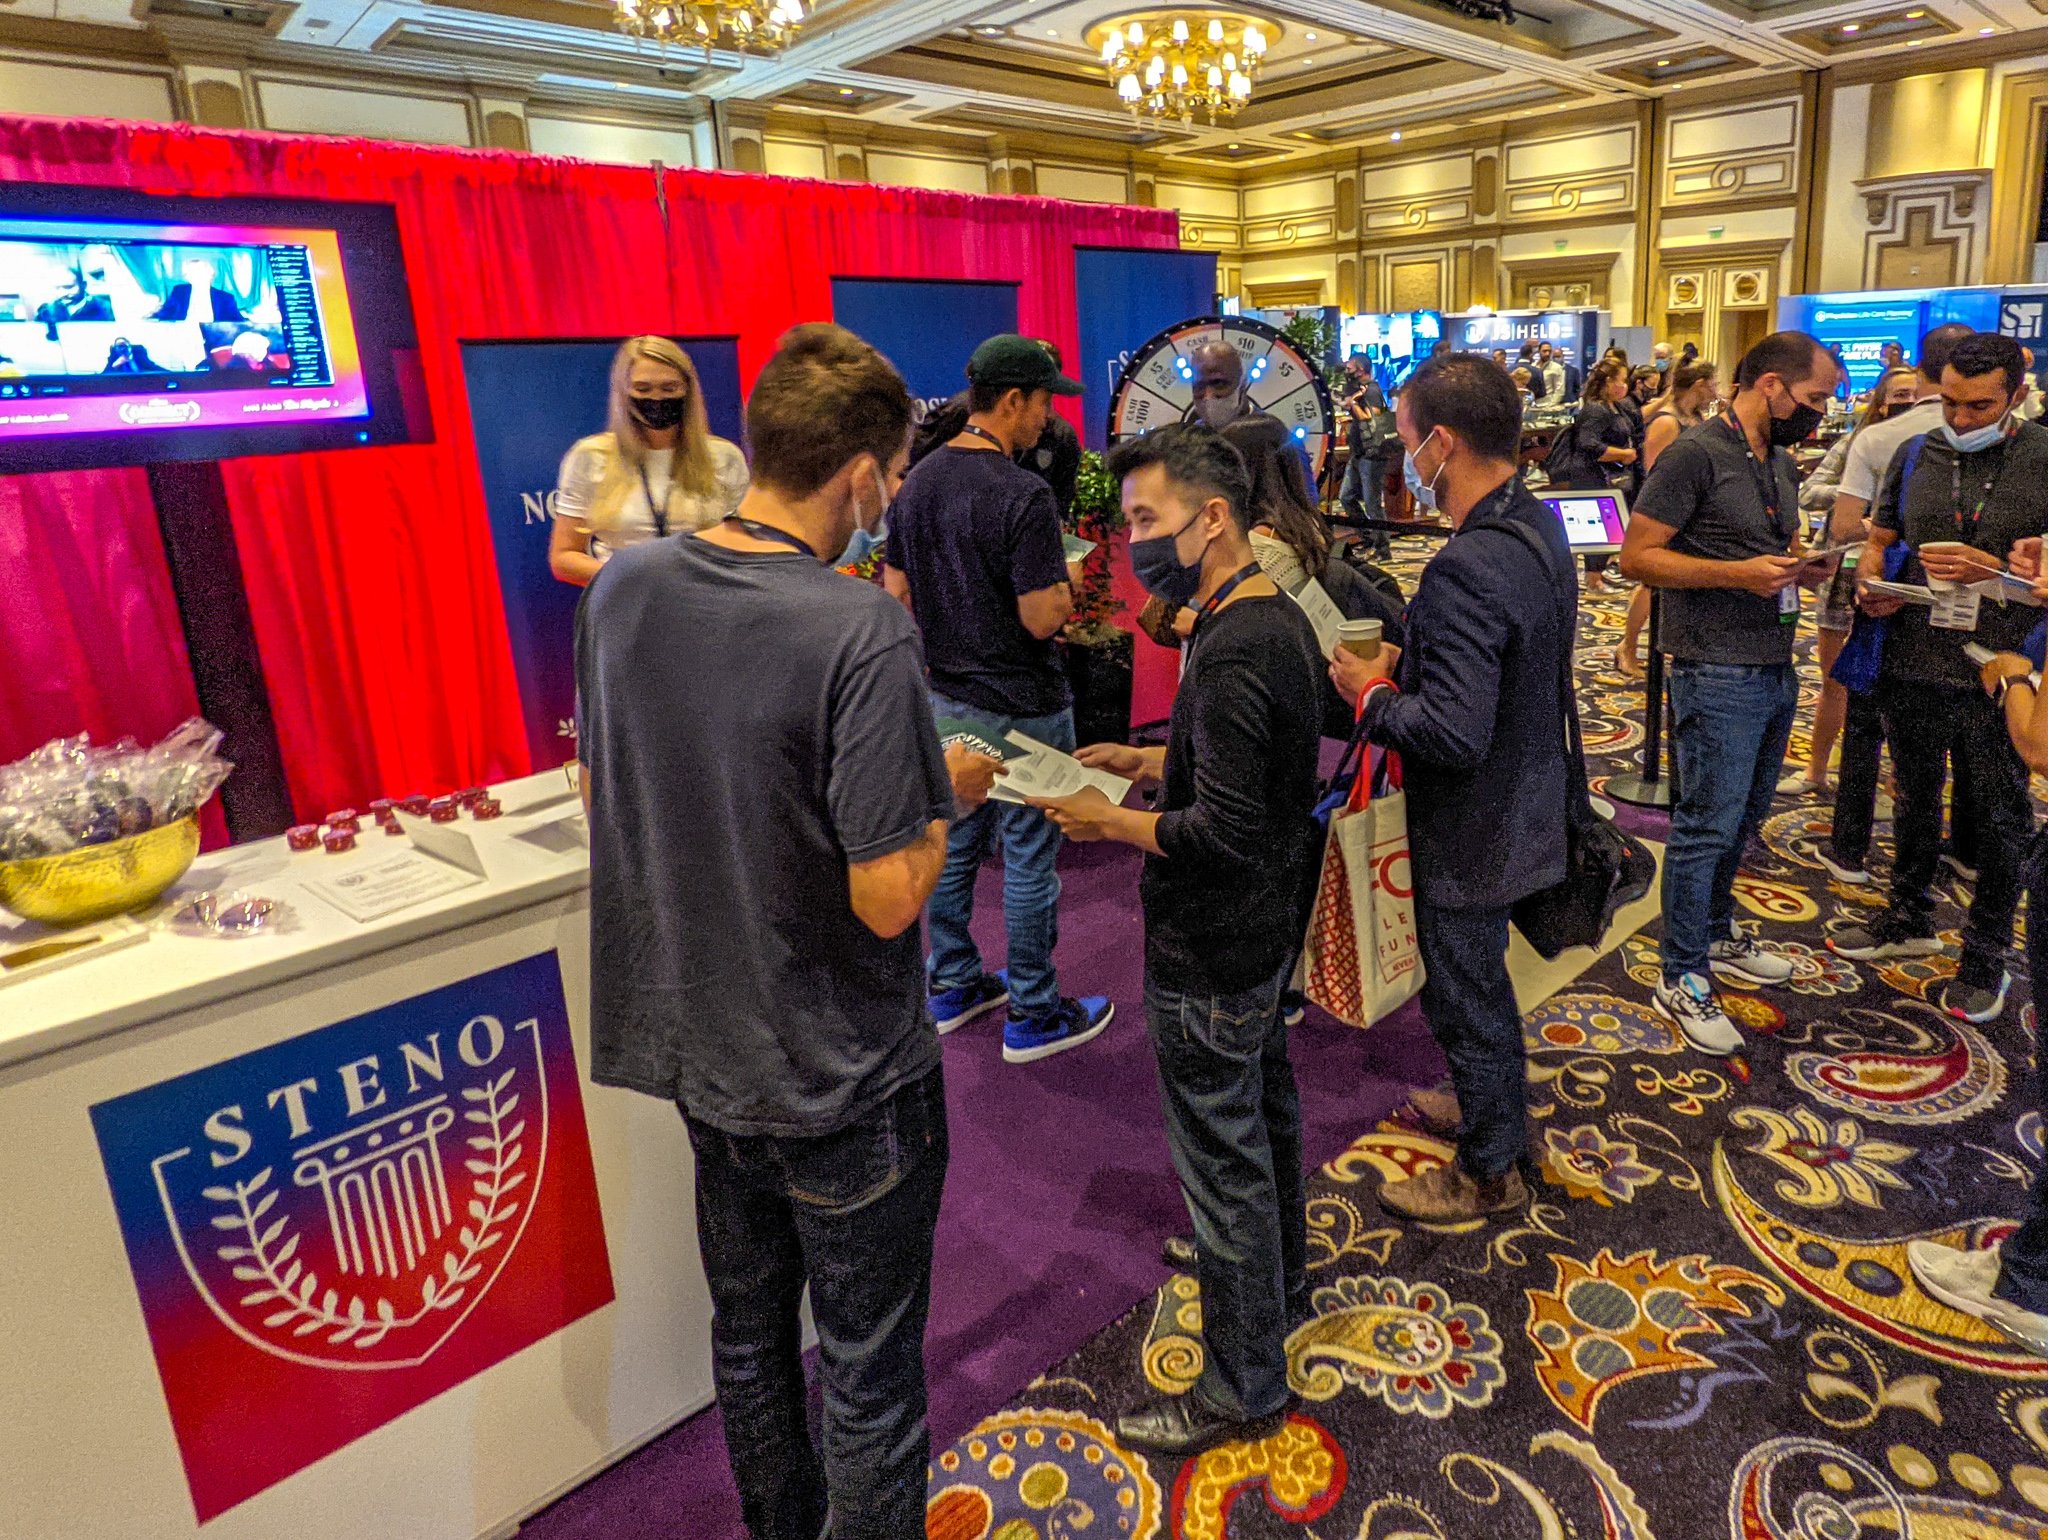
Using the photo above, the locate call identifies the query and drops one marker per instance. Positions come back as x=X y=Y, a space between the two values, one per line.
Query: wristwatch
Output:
x=2006 y=682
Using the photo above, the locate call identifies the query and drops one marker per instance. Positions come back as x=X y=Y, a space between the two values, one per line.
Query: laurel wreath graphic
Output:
x=270 y=1260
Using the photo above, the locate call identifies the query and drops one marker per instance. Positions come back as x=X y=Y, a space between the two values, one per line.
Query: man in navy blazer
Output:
x=1478 y=717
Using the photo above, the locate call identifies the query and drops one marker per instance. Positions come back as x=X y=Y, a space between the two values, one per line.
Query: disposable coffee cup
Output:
x=1361 y=638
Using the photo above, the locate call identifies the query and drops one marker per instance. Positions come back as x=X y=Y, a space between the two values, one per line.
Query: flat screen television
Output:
x=136 y=328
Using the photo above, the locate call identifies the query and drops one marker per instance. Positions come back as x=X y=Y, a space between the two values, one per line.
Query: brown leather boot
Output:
x=1446 y=1195
x=1436 y=1112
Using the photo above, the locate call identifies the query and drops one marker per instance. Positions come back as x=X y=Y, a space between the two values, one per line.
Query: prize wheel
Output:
x=1158 y=384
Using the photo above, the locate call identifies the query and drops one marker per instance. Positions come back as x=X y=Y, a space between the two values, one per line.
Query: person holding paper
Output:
x=767 y=814
x=1478 y=719
x=1230 y=870
x=1959 y=499
x=975 y=554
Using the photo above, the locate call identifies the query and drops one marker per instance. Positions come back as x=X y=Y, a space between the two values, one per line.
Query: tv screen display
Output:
x=1593 y=521
x=136 y=328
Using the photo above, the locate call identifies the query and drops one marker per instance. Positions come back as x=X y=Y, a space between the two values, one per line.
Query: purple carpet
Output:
x=1059 y=1193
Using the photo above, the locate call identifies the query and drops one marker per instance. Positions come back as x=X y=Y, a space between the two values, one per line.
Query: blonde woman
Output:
x=655 y=470
x=1694 y=387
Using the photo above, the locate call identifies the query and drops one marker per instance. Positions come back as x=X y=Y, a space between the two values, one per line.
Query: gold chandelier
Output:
x=761 y=25
x=1181 y=64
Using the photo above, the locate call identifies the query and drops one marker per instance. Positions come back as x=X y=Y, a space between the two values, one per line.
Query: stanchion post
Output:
x=1650 y=788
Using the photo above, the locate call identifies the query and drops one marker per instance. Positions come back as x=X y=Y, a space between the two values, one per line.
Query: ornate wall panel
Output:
x=1720 y=154
x=1568 y=175
x=1925 y=230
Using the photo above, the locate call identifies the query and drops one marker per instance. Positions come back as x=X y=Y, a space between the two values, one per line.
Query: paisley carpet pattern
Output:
x=1702 y=1326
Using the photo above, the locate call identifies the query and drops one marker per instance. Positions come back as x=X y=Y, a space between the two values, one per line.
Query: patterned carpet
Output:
x=1703 y=1326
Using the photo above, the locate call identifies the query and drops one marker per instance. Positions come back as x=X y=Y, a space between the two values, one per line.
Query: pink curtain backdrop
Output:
x=370 y=572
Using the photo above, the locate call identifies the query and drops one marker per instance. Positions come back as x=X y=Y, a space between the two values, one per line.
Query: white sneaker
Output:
x=1963 y=1280
x=1966 y=873
x=1691 y=1007
x=1854 y=876
x=1740 y=958
x=1797 y=785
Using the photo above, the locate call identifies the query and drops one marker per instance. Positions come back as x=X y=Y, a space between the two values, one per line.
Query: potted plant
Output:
x=1098 y=652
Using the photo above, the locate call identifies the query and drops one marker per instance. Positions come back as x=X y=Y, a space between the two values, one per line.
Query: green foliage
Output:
x=1315 y=337
x=1097 y=515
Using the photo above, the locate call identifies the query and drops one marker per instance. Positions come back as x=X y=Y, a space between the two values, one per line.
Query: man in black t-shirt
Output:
x=1959 y=498
x=767 y=809
x=1230 y=865
x=975 y=552
x=1716 y=528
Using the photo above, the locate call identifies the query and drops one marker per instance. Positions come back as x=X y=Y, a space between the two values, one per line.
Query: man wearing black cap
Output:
x=975 y=552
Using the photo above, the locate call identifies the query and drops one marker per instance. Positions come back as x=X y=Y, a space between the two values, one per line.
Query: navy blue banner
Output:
x=927 y=327
x=528 y=402
x=1124 y=300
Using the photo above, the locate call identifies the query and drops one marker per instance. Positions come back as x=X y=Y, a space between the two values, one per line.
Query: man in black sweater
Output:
x=1478 y=719
x=1230 y=864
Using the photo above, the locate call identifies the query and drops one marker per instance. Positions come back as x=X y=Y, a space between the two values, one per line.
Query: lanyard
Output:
x=771 y=534
x=1966 y=526
x=656 y=511
x=1766 y=479
x=982 y=433
x=1251 y=569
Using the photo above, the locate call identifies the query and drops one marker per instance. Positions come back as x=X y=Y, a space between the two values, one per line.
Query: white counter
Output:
x=467 y=1441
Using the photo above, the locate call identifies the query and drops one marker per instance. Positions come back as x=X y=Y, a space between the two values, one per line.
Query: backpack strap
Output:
x=1578 y=794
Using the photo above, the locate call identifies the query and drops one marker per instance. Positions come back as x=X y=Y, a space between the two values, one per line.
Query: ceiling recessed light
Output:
x=1914 y=15
x=1308 y=64
x=1052 y=31
x=1850 y=26
x=988 y=30
x=1913 y=43
x=846 y=90
x=1663 y=64
x=1396 y=136
x=1985 y=31
x=1308 y=37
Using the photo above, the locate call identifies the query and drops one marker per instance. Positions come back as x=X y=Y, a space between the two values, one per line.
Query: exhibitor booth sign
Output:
x=330 y=1231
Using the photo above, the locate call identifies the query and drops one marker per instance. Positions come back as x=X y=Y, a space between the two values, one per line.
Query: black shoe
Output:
x=1186 y=1425
x=1178 y=1252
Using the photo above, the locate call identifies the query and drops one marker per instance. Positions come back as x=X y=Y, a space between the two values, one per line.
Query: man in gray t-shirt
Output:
x=1716 y=529
x=768 y=812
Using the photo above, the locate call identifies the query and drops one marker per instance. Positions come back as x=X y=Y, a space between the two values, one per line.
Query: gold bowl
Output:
x=95 y=881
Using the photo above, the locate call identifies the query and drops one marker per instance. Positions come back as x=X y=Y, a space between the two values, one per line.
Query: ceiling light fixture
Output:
x=1850 y=26
x=1914 y=15
x=757 y=26
x=1986 y=31
x=1913 y=43
x=1396 y=136
x=1308 y=37
x=1663 y=64
x=1182 y=64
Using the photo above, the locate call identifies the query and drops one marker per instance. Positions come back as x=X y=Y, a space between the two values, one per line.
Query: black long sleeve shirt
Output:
x=1226 y=906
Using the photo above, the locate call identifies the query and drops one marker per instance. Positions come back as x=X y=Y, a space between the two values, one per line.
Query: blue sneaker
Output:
x=956 y=1007
x=1069 y=1026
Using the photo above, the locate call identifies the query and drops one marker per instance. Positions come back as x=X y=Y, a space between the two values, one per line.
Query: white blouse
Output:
x=588 y=463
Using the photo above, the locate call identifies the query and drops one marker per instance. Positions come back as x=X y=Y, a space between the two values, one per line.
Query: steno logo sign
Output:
x=353 y=1221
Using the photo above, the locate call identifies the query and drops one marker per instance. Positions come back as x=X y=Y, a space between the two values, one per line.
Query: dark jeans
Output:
x=1470 y=1007
x=2023 y=1266
x=1923 y=725
x=851 y=1213
x=1856 y=790
x=1233 y=1123
x=1729 y=726
x=1363 y=496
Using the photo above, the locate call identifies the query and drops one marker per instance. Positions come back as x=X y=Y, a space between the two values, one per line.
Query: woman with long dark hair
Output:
x=1600 y=445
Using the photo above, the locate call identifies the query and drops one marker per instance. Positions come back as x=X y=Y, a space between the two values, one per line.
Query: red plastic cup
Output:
x=338 y=840
x=302 y=836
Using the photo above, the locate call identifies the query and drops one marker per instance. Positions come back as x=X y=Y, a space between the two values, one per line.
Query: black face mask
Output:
x=1798 y=428
x=656 y=411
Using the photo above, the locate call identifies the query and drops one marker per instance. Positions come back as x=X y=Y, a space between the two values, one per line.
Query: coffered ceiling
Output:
x=1338 y=73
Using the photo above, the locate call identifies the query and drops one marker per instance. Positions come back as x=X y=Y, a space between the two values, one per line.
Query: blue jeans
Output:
x=1469 y=1004
x=852 y=1213
x=1363 y=497
x=1233 y=1124
x=1730 y=725
x=1031 y=881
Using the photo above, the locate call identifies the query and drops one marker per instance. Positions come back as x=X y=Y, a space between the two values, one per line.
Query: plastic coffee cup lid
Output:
x=1357 y=630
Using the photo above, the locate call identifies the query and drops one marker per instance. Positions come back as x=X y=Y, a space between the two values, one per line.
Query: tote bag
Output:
x=1361 y=960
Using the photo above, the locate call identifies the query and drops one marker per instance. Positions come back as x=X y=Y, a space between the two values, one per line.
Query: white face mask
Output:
x=1424 y=492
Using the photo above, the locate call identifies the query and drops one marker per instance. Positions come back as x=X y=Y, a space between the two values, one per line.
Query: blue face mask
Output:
x=865 y=541
x=1976 y=438
x=1158 y=566
x=1424 y=492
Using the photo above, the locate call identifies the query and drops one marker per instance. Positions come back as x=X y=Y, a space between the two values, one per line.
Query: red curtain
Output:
x=370 y=572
